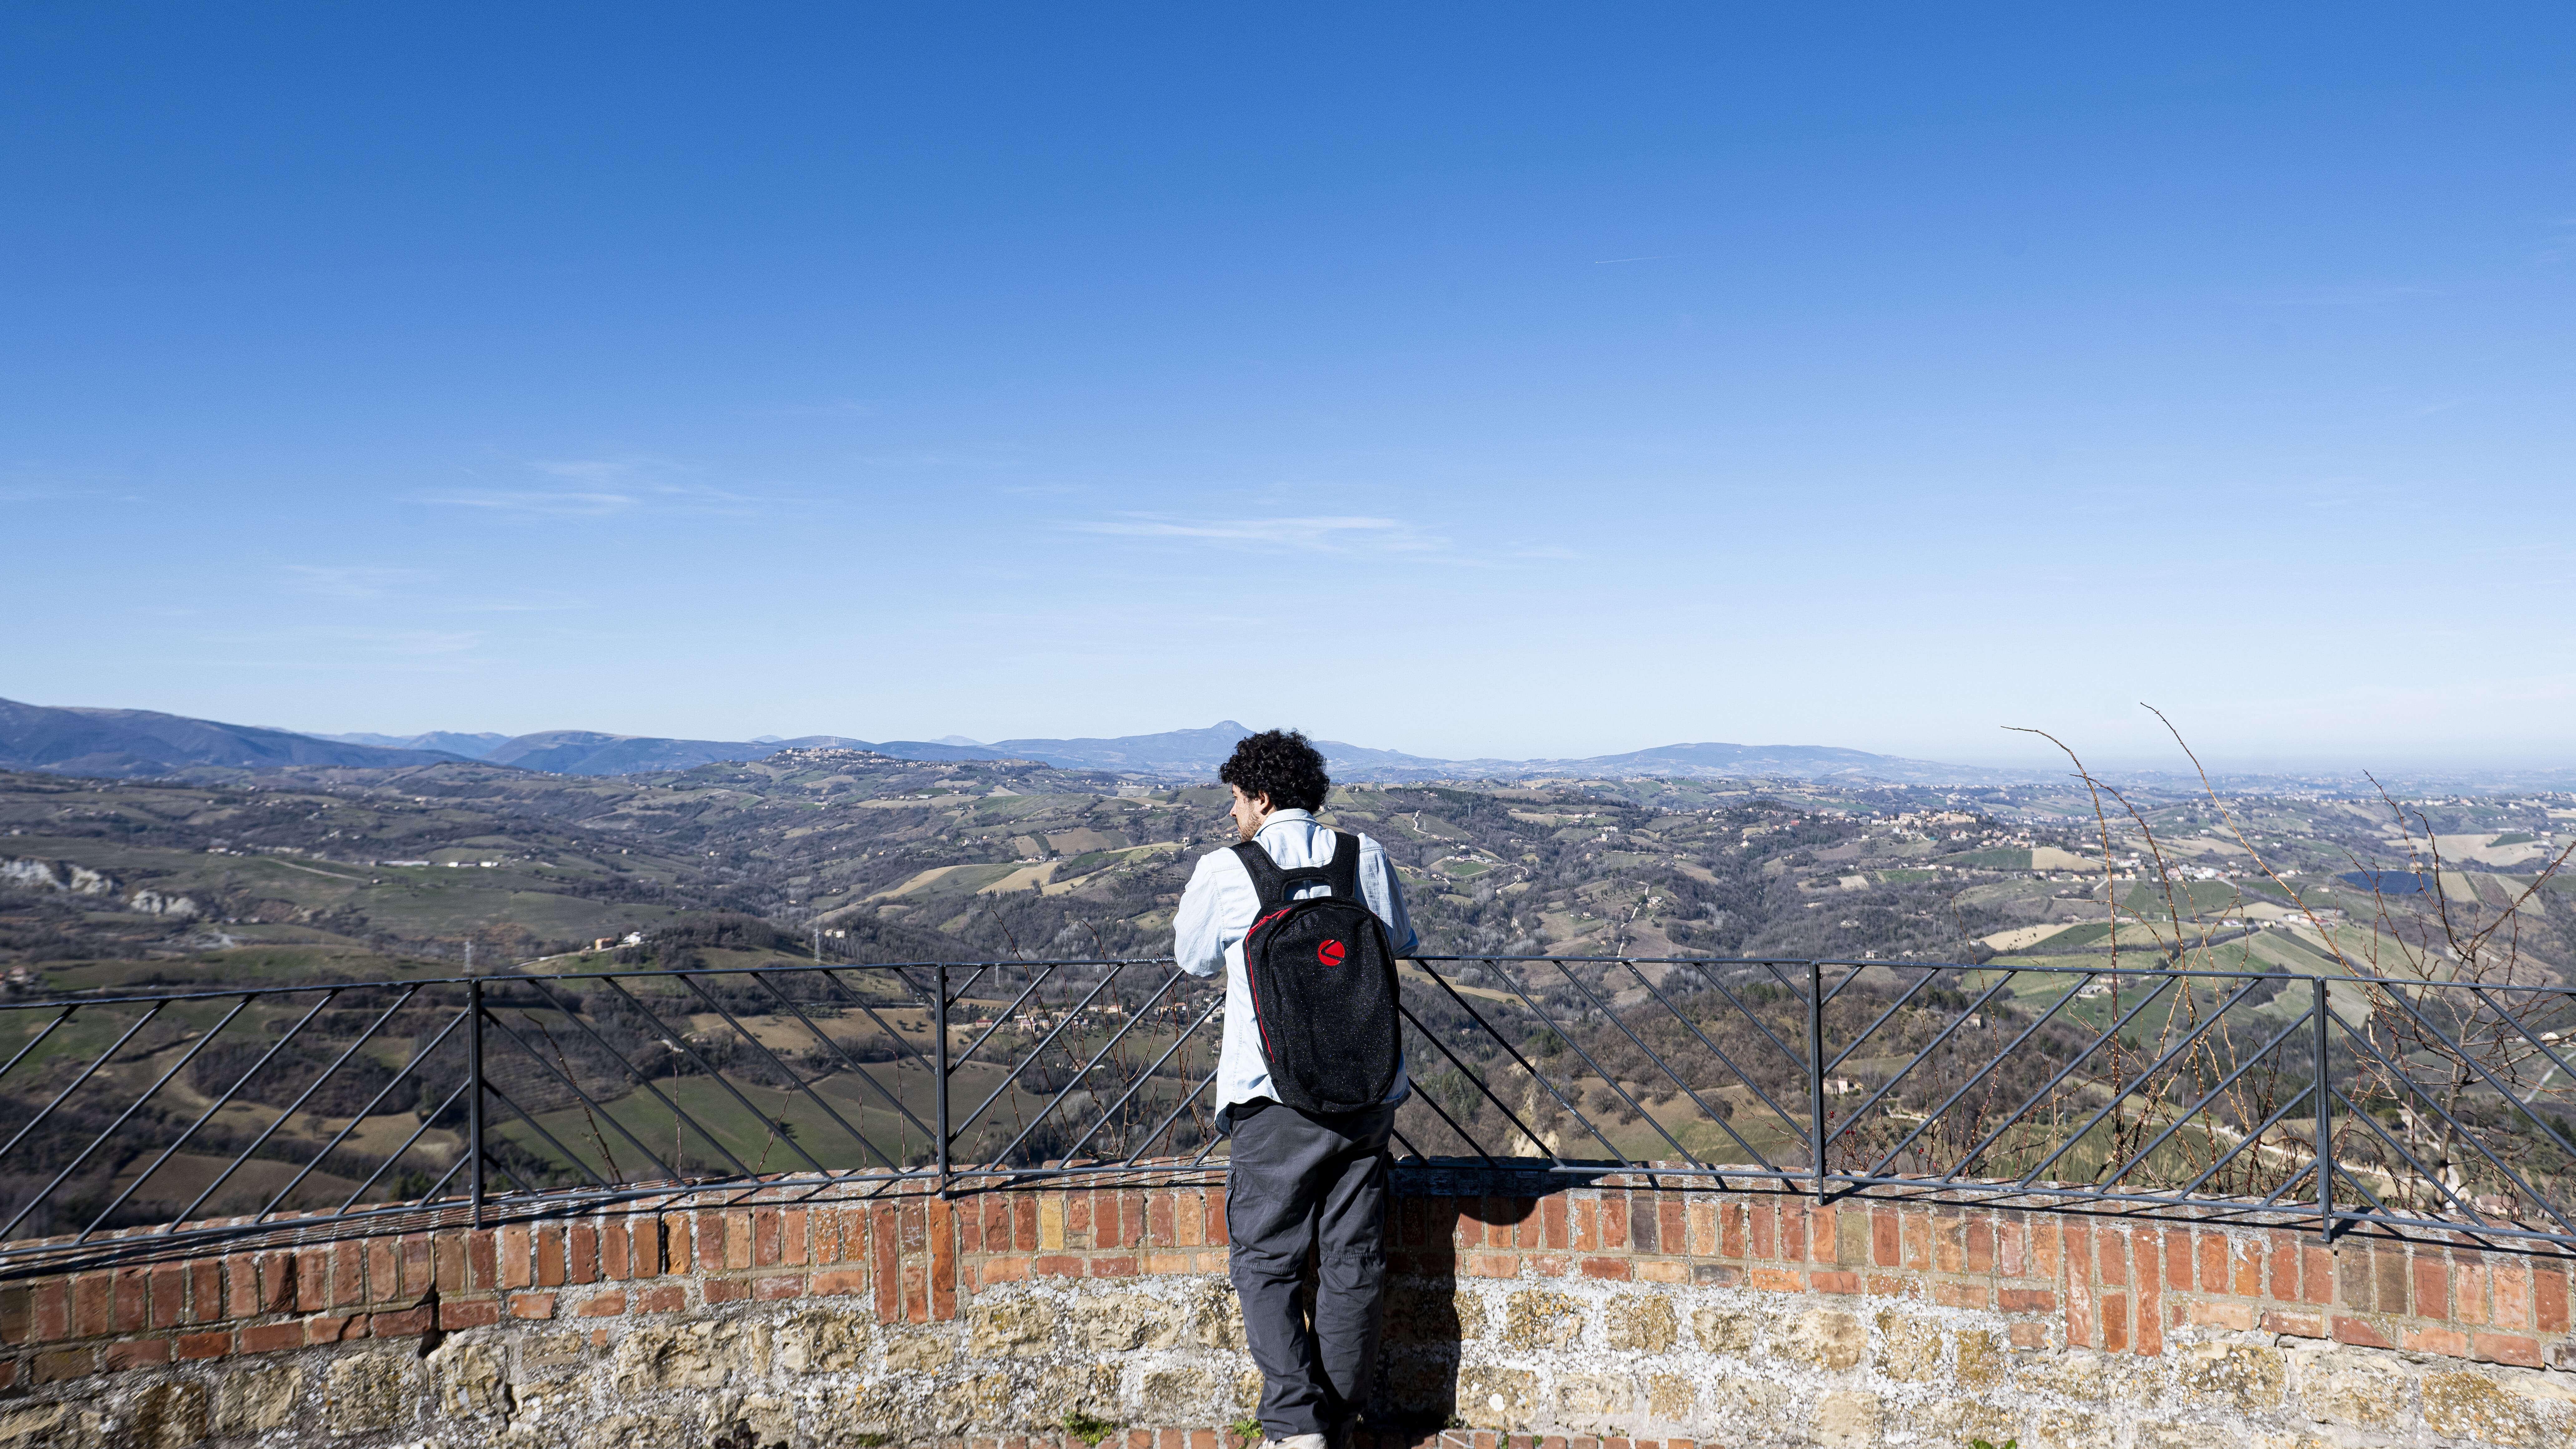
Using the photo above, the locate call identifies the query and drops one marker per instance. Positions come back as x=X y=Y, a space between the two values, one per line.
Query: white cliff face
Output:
x=80 y=880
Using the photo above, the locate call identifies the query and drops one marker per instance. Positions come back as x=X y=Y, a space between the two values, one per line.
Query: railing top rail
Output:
x=789 y=967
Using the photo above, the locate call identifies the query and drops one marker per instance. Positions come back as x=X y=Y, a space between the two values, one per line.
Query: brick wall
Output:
x=1612 y=1312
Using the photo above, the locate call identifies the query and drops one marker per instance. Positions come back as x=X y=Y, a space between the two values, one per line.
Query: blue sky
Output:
x=1469 y=380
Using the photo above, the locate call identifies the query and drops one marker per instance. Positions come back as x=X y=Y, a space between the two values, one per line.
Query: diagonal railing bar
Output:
x=681 y=1041
x=1849 y=976
x=1150 y=1074
x=2184 y=1117
x=856 y=1070
x=2300 y=1176
x=645 y=1081
x=2250 y=1139
x=796 y=1079
x=204 y=1039
x=280 y=1120
x=2429 y=1175
x=1919 y=1058
x=959 y=994
x=1795 y=1061
x=1921 y=984
x=590 y=1107
x=1542 y=1078
x=1633 y=1104
x=1970 y=1085
x=1106 y=1047
x=417 y=1057
x=2145 y=1075
x=1183 y=1105
x=2064 y=1072
x=863 y=1004
x=1071 y=1015
x=1471 y=1075
x=534 y=1125
x=2473 y=1138
x=77 y=1083
x=1455 y=1130
x=1004 y=1019
x=39 y=1038
x=1722 y=1119
x=408 y=1143
x=2463 y=1054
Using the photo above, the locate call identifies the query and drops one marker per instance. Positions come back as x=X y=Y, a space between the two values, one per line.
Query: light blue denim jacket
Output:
x=1221 y=905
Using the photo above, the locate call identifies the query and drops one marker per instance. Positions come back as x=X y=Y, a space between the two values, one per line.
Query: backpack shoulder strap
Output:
x=1267 y=881
x=1342 y=872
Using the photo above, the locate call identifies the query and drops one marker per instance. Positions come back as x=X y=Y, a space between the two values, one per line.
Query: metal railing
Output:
x=143 y=1124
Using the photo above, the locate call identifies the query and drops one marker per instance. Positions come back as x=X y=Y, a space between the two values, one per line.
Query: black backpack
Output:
x=1323 y=984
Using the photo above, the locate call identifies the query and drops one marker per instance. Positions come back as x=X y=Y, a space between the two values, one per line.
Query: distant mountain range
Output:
x=129 y=742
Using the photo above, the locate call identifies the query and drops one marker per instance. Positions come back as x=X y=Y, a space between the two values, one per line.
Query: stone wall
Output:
x=1610 y=1316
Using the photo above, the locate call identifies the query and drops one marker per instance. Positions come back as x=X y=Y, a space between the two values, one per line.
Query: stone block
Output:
x=920 y=1350
x=824 y=1340
x=1176 y=1396
x=1725 y=1331
x=1124 y=1322
x=1423 y=1313
x=1982 y=1360
x=1537 y=1319
x=1960 y=1421
x=469 y=1380
x=167 y=1415
x=1909 y=1349
x=254 y=1400
x=49 y=1426
x=1671 y=1398
x=1497 y=1398
x=2075 y=1374
x=1825 y=1338
x=2469 y=1405
x=2246 y=1378
x=1013 y=1329
x=370 y=1392
x=1847 y=1419
x=1216 y=1319
x=686 y=1356
x=2346 y=1388
x=637 y=1431
x=1642 y=1323
x=1596 y=1403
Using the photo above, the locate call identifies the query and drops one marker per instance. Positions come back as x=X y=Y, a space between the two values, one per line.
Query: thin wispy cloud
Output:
x=356 y=583
x=600 y=487
x=544 y=502
x=1328 y=534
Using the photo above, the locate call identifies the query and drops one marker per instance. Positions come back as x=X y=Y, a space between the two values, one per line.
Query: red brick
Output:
x=62 y=1364
x=2316 y=1276
x=943 y=1260
x=2354 y=1330
x=383 y=1277
x=581 y=1254
x=1956 y=1294
x=1977 y=1242
x=335 y=1327
x=2549 y=1298
x=668 y=1298
x=1057 y=1265
x=205 y=1345
x=603 y=1305
x=168 y=1292
x=2114 y=1310
x=2438 y=1340
x=93 y=1299
x=2512 y=1295
x=2297 y=1325
x=1616 y=1269
x=2025 y=1300
x=532 y=1305
x=481 y=1313
x=482 y=1261
x=724 y=1290
x=2150 y=1334
x=1778 y=1280
x=776 y=1286
x=270 y=1337
x=49 y=1312
x=841 y=1281
x=137 y=1353
x=2510 y=1348
x=132 y=1311
x=402 y=1324
x=1831 y=1282
x=2432 y=1286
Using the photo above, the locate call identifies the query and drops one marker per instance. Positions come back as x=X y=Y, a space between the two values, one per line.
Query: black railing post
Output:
x=2325 y=1119
x=474 y=1096
x=939 y=1057
x=1816 y=1069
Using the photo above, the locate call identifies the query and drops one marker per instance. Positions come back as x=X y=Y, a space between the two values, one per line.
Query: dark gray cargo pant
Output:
x=1298 y=1183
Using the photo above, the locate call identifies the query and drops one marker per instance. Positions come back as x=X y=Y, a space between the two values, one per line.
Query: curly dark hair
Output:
x=1281 y=765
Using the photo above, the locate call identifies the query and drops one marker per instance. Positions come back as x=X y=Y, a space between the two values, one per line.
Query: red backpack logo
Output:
x=1330 y=953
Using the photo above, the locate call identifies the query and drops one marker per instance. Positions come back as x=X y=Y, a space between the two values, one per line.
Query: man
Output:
x=1297 y=1181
